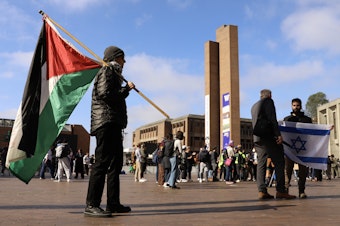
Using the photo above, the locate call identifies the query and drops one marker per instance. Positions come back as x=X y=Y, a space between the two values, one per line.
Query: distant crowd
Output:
x=60 y=162
x=232 y=164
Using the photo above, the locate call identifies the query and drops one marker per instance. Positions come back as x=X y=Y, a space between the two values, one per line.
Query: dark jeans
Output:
x=229 y=173
x=183 y=171
x=49 y=165
x=166 y=174
x=189 y=169
x=302 y=174
x=274 y=151
x=109 y=161
x=318 y=174
x=142 y=169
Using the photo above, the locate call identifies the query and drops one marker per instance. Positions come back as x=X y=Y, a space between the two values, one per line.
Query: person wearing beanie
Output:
x=112 y=52
x=108 y=119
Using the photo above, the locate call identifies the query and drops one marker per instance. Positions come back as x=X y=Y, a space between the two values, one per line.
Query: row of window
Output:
x=6 y=122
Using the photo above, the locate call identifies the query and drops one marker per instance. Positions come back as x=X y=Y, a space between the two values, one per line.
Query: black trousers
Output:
x=109 y=162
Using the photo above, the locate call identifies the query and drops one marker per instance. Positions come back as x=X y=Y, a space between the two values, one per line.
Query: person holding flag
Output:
x=296 y=116
x=58 y=78
x=108 y=119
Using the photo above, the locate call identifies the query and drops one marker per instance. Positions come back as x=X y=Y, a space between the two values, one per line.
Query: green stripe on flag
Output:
x=64 y=98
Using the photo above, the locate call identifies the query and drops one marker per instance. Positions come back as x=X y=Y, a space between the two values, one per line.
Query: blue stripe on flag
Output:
x=316 y=132
x=307 y=159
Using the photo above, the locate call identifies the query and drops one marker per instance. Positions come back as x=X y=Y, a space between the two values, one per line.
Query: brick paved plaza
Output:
x=44 y=202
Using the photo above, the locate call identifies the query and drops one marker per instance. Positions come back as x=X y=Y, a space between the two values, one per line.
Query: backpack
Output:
x=204 y=156
x=169 y=148
x=155 y=156
x=62 y=150
x=241 y=159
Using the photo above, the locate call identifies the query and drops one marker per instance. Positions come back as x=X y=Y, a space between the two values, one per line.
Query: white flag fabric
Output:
x=306 y=143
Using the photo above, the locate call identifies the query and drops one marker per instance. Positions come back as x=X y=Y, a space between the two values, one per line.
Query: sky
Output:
x=289 y=46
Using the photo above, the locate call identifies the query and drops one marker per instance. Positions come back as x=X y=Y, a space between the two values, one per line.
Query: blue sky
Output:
x=289 y=46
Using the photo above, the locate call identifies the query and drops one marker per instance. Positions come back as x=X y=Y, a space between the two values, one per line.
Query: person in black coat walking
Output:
x=78 y=164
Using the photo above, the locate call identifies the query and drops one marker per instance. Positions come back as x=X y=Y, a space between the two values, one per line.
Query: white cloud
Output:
x=77 y=5
x=21 y=59
x=314 y=27
x=14 y=63
x=7 y=74
x=143 y=19
x=248 y=12
x=10 y=14
x=180 y=4
x=8 y=113
x=271 y=44
x=270 y=74
x=162 y=76
x=253 y=10
x=15 y=24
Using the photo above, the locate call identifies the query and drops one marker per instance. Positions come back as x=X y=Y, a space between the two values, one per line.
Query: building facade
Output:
x=192 y=127
x=6 y=126
x=329 y=113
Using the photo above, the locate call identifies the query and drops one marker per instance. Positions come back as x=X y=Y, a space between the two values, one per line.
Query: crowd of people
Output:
x=175 y=162
x=61 y=161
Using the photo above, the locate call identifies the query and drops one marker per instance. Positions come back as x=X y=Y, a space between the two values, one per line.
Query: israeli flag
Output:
x=306 y=143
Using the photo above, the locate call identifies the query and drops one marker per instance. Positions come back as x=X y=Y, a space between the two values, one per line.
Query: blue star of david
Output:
x=298 y=144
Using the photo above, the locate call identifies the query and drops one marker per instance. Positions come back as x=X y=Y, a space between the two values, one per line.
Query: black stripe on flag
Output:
x=31 y=98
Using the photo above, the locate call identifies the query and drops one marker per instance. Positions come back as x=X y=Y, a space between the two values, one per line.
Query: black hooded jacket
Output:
x=108 y=98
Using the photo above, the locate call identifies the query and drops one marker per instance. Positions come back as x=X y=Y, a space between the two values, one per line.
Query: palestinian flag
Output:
x=58 y=78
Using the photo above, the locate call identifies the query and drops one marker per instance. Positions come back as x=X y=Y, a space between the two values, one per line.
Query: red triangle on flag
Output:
x=63 y=58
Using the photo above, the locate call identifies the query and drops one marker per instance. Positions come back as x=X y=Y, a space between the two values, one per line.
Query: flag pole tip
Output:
x=41 y=12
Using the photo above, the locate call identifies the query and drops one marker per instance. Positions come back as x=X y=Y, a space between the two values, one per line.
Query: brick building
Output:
x=191 y=125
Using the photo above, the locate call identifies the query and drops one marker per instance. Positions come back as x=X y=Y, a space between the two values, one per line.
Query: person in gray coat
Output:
x=270 y=146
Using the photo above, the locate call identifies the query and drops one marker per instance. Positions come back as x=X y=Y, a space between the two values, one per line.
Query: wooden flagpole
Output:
x=102 y=62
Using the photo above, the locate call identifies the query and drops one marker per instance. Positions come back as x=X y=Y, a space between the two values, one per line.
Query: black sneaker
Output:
x=174 y=187
x=94 y=211
x=118 y=209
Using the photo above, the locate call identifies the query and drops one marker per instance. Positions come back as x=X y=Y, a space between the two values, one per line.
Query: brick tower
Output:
x=222 y=98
